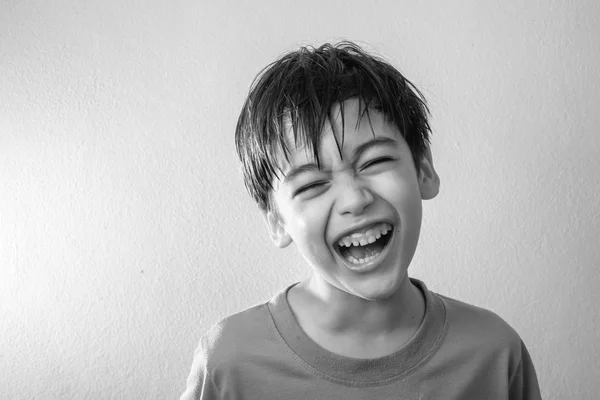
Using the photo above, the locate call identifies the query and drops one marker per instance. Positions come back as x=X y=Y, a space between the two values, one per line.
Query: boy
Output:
x=334 y=149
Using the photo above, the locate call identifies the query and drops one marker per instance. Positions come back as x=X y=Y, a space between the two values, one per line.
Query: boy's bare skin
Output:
x=370 y=310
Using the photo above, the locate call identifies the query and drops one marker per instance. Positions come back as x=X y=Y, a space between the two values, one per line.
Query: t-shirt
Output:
x=459 y=352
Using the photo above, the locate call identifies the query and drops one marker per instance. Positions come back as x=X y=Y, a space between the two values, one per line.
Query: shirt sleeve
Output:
x=524 y=383
x=199 y=384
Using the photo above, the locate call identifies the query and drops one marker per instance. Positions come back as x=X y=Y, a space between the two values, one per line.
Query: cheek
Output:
x=307 y=224
x=308 y=233
x=399 y=189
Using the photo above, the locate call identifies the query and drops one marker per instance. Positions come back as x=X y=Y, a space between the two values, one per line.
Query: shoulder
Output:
x=474 y=317
x=237 y=333
x=235 y=340
x=479 y=327
x=480 y=338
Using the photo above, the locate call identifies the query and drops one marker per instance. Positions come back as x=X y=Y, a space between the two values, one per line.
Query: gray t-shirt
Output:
x=459 y=352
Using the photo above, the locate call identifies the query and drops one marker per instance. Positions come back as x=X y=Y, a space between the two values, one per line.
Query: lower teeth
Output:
x=358 y=261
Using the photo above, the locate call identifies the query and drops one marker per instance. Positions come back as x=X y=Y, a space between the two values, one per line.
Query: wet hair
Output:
x=299 y=90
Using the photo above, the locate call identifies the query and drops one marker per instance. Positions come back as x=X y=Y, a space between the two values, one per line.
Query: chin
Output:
x=377 y=289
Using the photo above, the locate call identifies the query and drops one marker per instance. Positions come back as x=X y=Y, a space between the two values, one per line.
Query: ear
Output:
x=429 y=181
x=277 y=230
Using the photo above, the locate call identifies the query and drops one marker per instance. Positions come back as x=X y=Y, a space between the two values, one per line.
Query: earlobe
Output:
x=429 y=181
x=277 y=230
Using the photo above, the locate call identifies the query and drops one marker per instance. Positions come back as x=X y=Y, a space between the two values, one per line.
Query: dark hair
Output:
x=299 y=90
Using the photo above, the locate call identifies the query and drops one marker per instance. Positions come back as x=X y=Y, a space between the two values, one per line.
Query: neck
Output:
x=342 y=313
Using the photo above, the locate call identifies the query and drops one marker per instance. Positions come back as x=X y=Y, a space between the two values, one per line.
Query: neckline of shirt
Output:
x=355 y=371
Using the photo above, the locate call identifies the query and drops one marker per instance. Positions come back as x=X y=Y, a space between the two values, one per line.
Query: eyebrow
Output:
x=378 y=141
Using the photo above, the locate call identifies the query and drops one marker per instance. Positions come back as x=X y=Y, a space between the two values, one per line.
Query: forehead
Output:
x=348 y=127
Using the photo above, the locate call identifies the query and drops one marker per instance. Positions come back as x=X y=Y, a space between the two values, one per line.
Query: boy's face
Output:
x=333 y=213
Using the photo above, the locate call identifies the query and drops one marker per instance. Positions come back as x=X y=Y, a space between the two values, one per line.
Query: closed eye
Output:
x=307 y=188
x=377 y=161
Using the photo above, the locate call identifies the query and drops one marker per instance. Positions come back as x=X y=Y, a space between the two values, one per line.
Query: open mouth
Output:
x=357 y=254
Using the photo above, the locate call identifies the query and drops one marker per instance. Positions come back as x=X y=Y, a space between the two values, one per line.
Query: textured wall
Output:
x=125 y=231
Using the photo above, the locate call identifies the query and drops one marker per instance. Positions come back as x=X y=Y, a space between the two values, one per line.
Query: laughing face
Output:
x=357 y=219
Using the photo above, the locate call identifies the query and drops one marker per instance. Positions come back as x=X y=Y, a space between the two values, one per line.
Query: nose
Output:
x=354 y=198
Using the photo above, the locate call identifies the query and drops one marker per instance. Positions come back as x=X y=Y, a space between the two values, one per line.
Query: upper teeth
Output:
x=366 y=237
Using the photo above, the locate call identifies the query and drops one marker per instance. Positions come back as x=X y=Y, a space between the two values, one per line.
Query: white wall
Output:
x=125 y=230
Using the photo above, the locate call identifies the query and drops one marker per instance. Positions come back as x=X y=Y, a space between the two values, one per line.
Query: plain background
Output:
x=125 y=229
